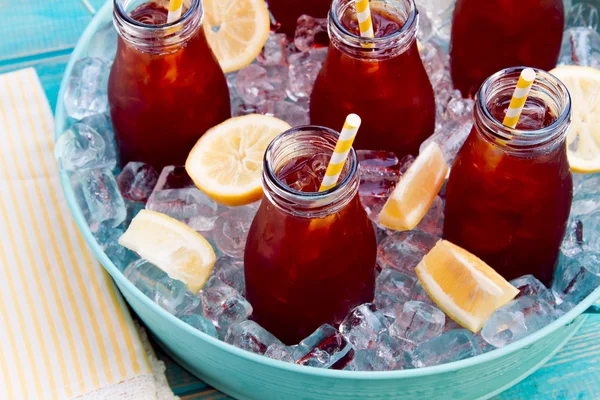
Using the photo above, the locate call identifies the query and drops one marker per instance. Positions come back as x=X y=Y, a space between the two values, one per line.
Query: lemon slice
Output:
x=416 y=191
x=172 y=246
x=583 y=140
x=466 y=288
x=226 y=162
x=236 y=30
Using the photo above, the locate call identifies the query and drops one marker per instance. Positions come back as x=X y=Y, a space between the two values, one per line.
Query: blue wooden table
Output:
x=42 y=34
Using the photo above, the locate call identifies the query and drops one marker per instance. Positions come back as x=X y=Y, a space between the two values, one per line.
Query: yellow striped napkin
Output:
x=64 y=330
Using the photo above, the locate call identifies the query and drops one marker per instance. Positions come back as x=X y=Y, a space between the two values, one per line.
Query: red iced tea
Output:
x=286 y=12
x=310 y=257
x=165 y=87
x=490 y=35
x=382 y=79
x=510 y=190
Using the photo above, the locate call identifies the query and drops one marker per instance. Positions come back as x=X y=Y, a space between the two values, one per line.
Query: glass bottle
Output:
x=310 y=257
x=382 y=80
x=165 y=87
x=510 y=190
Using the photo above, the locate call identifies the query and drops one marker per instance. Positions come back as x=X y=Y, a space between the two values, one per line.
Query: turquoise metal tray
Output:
x=249 y=376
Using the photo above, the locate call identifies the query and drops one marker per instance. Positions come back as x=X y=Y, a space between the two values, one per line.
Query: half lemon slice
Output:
x=465 y=287
x=172 y=246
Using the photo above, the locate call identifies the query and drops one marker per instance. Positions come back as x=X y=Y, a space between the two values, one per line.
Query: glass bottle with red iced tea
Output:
x=381 y=79
x=490 y=35
x=165 y=87
x=310 y=256
x=286 y=12
x=510 y=190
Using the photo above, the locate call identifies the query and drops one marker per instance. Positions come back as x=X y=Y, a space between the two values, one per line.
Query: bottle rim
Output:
x=545 y=84
x=124 y=15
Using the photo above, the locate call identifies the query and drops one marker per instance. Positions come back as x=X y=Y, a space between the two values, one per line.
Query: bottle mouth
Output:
x=406 y=9
x=546 y=88
x=307 y=141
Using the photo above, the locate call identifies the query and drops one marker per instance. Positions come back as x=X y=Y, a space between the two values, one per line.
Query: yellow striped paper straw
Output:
x=519 y=97
x=175 y=7
x=365 y=23
x=340 y=153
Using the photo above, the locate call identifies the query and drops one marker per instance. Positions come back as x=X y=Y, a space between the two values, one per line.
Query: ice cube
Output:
x=529 y=285
x=418 y=322
x=279 y=351
x=580 y=46
x=586 y=186
x=460 y=109
x=573 y=241
x=201 y=323
x=176 y=195
x=86 y=92
x=304 y=68
x=386 y=355
x=81 y=147
x=103 y=125
x=292 y=113
x=274 y=51
x=230 y=270
x=101 y=199
x=451 y=346
x=433 y=221
x=108 y=240
x=324 y=348
x=223 y=305
x=373 y=206
x=174 y=296
x=257 y=84
x=404 y=250
x=426 y=30
x=582 y=15
x=440 y=13
x=450 y=138
x=231 y=230
x=434 y=60
x=516 y=320
x=144 y=276
x=310 y=33
x=419 y=293
x=392 y=290
x=362 y=326
x=576 y=277
x=377 y=163
x=250 y=336
x=103 y=44
x=136 y=181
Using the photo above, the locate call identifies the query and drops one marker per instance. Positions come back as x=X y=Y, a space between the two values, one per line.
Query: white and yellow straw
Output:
x=340 y=153
x=365 y=23
x=519 y=97
x=175 y=8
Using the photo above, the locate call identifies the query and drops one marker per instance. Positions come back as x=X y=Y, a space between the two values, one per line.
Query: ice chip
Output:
x=304 y=68
x=576 y=277
x=377 y=163
x=386 y=355
x=580 y=46
x=573 y=242
x=223 y=305
x=324 y=348
x=108 y=240
x=250 y=336
x=426 y=29
x=582 y=15
x=103 y=44
x=103 y=125
x=529 y=285
x=101 y=200
x=201 y=323
x=460 y=109
x=433 y=221
x=86 y=92
x=404 y=250
x=257 y=84
x=230 y=270
x=144 y=276
x=418 y=322
x=231 y=230
x=136 y=181
x=81 y=147
x=420 y=294
x=450 y=138
x=434 y=60
x=310 y=32
x=274 y=51
x=292 y=113
x=392 y=290
x=451 y=346
x=174 y=296
x=516 y=320
x=279 y=351
x=362 y=326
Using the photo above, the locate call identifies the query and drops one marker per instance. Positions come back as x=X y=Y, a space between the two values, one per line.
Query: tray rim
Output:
x=103 y=16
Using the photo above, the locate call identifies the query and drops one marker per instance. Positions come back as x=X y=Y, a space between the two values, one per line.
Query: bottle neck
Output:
x=157 y=39
x=547 y=90
x=379 y=48
x=307 y=141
